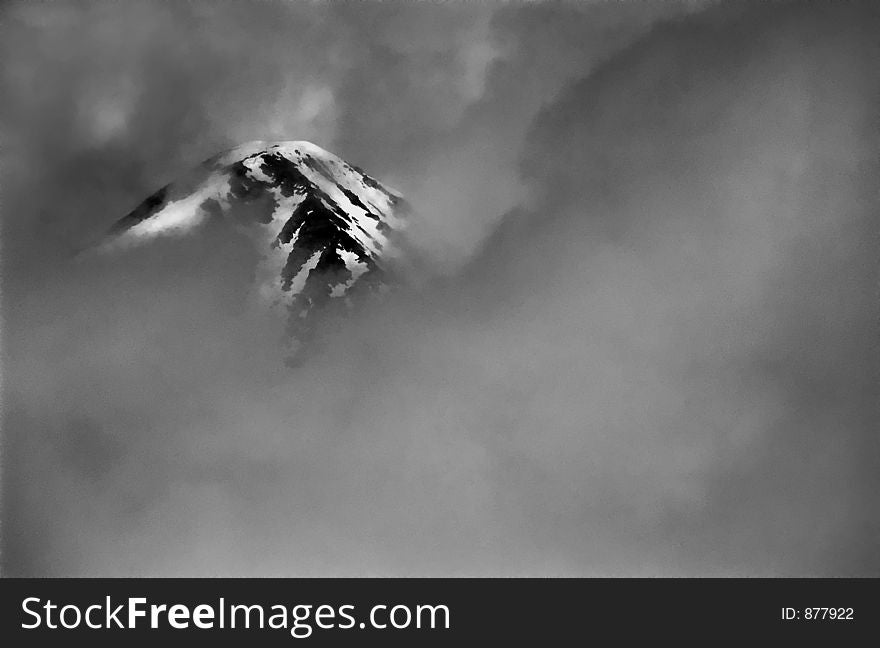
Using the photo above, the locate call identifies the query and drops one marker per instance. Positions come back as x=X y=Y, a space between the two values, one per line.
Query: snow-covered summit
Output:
x=323 y=227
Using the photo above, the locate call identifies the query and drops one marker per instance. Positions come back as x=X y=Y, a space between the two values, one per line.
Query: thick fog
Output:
x=640 y=337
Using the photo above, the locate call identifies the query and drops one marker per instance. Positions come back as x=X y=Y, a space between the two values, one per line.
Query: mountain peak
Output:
x=323 y=227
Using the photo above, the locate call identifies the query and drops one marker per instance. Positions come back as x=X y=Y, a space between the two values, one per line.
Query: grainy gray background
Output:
x=643 y=342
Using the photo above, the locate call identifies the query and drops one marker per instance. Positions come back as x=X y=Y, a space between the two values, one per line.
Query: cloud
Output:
x=648 y=348
x=704 y=239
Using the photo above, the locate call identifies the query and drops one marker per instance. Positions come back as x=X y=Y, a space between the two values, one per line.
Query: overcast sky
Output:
x=643 y=342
